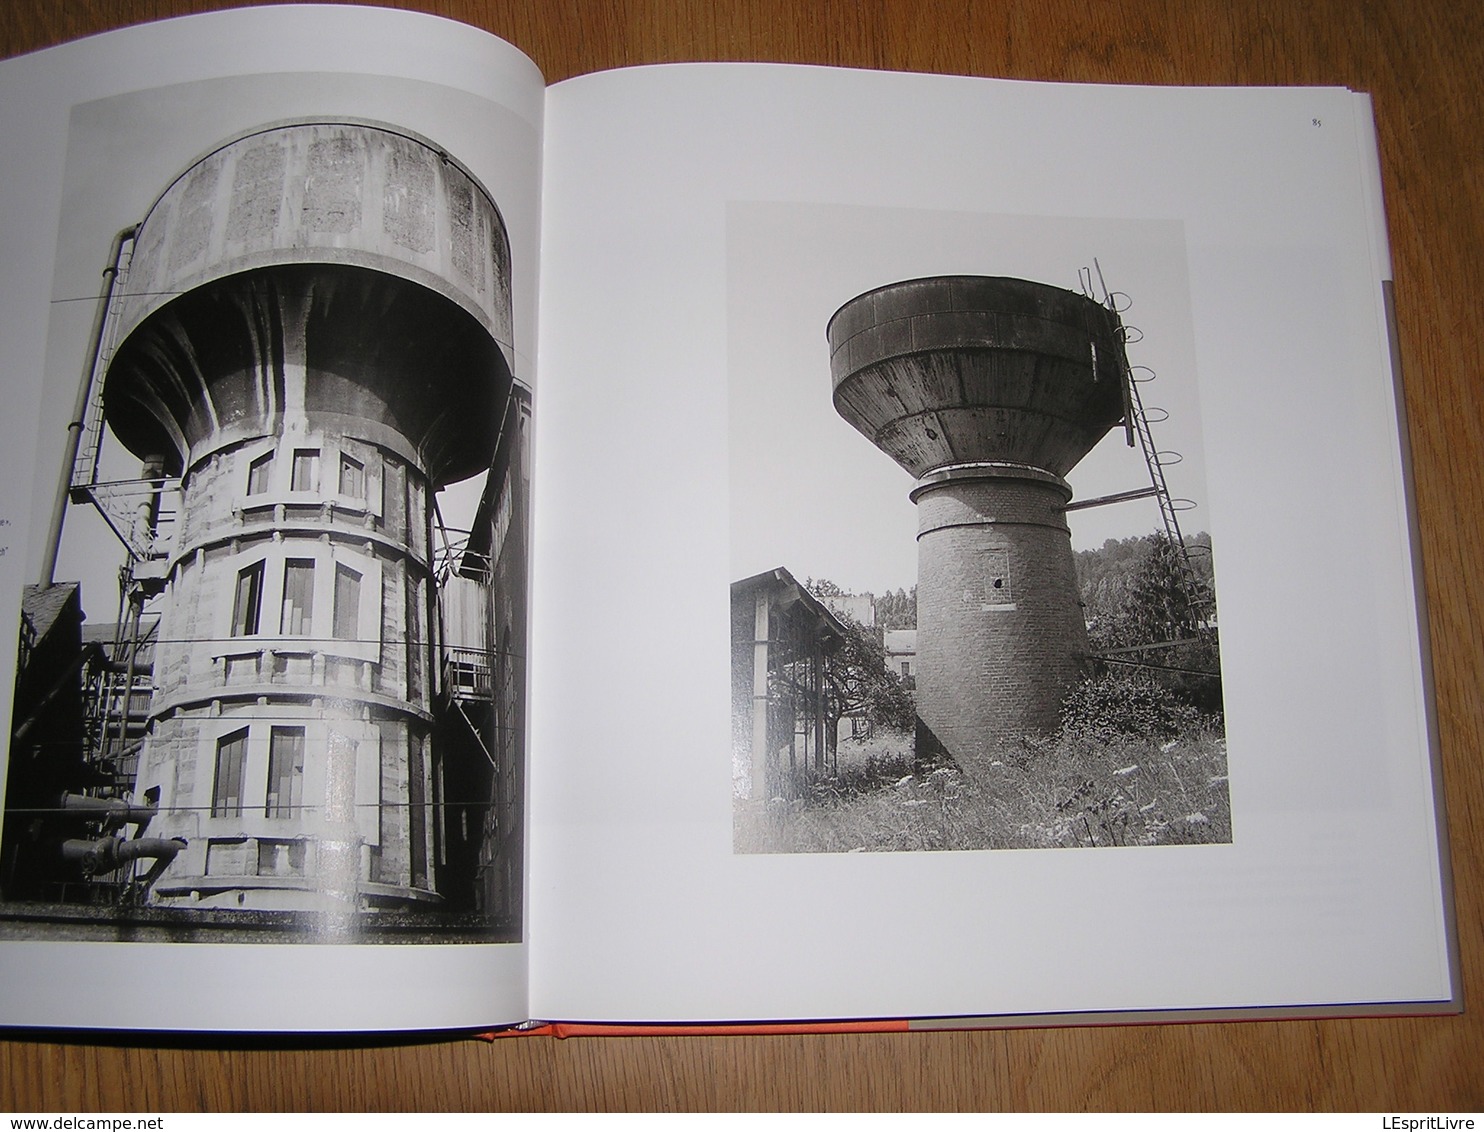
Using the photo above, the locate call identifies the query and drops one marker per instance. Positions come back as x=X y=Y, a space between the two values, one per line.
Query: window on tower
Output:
x=298 y=597
x=347 y=603
x=997 y=592
x=247 y=610
x=257 y=474
x=306 y=470
x=352 y=477
x=285 y=772
x=231 y=755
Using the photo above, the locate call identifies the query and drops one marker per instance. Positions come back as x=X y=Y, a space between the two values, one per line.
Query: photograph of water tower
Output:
x=271 y=678
x=973 y=598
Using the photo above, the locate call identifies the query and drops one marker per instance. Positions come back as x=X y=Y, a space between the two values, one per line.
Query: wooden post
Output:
x=819 y=712
x=760 y=744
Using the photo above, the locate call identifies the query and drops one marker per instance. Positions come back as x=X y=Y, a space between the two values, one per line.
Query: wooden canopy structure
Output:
x=782 y=638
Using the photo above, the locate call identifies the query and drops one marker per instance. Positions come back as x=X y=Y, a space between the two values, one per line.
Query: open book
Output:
x=727 y=543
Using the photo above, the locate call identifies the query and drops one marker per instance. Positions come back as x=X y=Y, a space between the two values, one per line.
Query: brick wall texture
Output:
x=1001 y=634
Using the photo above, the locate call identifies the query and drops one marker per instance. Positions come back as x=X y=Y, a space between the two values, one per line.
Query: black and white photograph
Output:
x=973 y=597
x=271 y=679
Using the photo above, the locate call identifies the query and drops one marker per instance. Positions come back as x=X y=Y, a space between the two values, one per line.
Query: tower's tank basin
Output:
x=362 y=254
x=962 y=369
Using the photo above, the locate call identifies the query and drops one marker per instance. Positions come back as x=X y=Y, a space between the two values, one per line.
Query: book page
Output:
x=267 y=740
x=795 y=344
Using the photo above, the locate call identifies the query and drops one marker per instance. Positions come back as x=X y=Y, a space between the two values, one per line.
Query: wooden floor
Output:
x=1423 y=61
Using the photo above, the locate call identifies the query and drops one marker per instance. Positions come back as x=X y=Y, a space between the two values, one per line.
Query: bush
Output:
x=1118 y=704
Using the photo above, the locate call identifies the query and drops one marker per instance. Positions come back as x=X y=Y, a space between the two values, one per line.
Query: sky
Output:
x=807 y=491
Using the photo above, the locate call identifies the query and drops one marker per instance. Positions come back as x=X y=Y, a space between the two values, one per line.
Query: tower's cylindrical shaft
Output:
x=1000 y=630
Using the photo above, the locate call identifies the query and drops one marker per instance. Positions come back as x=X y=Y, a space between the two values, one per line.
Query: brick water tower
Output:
x=314 y=334
x=989 y=391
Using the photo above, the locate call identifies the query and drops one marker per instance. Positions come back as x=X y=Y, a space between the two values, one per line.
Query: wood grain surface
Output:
x=1422 y=61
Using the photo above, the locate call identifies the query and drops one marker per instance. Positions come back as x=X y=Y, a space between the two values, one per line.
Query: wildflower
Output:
x=1197 y=818
x=1123 y=771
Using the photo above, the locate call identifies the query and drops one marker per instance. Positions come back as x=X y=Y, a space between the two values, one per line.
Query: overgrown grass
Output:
x=1147 y=773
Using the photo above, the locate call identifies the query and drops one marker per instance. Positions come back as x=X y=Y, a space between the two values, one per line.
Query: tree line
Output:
x=1135 y=592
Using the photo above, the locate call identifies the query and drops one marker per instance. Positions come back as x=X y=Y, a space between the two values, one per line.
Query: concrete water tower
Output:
x=989 y=391
x=314 y=333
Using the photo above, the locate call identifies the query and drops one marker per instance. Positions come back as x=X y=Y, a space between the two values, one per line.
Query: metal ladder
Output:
x=1155 y=458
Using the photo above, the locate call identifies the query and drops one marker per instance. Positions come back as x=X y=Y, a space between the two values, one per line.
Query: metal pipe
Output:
x=126 y=699
x=80 y=408
x=1116 y=497
x=101 y=708
x=110 y=853
x=114 y=812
